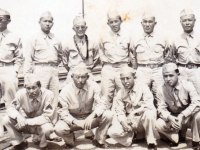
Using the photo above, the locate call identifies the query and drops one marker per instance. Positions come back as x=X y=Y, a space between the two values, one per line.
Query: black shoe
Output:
x=21 y=146
x=195 y=145
x=97 y=144
x=171 y=144
x=90 y=137
x=181 y=138
x=139 y=140
x=67 y=146
x=152 y=147
x=45 y=148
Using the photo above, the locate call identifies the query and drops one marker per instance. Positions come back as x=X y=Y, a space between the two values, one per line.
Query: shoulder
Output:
x=47 y=92
x=12 y=35
x=187 y=85
x=92 y=84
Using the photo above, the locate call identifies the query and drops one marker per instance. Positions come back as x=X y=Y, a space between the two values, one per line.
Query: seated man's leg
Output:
x=15 y=135
x=195 y=127
x=63 y=130
x=44 y=132
x=103 y=123
x=148 y=121
x=164 y=128
x=117 y=132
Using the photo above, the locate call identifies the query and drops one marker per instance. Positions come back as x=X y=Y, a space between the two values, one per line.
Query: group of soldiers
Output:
x=147 y=86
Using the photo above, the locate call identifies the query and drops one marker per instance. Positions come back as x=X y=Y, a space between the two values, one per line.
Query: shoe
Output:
x=181 y=138
x=67 y=146
x=195 y=145
x=139 y=140
x=152 y=147
x=90 y=137
x=97 y=144
x=45 y=148
x=171 y=144
x=21 y=146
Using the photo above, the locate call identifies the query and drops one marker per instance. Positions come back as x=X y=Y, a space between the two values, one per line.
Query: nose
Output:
x=80 y=80
x=168 y=78
x=31 y=90
x=187 y=22
x=125 y=80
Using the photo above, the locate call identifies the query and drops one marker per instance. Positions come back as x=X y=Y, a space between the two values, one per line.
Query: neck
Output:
x=80 y=37
x=46 y=32
x=2 y=29
x=188 y=31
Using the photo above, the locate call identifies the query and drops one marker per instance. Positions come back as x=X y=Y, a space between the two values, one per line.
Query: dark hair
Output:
x=177 y=71
x=38 y=84
x=8 y=17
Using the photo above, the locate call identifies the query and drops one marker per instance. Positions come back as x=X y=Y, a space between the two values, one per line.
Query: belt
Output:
x=2 y=64
x=189 y=66
x=115 y=65
x=47 y=64
x=152 y=66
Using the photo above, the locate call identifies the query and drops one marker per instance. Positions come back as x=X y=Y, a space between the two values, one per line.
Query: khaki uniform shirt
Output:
x=181 y=99
x=73 y=58
x=186 y=48
x=11 y=49
x=42 y=48
x=79 y=103
x=150 y=49
x=114 y=47
x=127 y=101
x=39 y=111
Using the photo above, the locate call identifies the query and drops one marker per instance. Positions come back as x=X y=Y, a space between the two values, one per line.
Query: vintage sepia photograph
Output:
x=99 y=74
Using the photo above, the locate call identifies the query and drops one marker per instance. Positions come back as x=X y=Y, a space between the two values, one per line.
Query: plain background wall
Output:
x=25 y=15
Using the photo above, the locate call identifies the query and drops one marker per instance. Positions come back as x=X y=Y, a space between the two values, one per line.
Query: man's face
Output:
x=170 y=77
x=80 y=29
x=187 y=23
x=46 y=24
x=148 y=25
x=80 y=79
x=114 y=24
x=33 y=90
x=4 y=21
x=127 y=80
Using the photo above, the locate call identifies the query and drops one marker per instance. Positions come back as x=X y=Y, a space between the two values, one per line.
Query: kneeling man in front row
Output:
x=83 y=108
x=30 y=112
x=178 y=108
x=134 y=110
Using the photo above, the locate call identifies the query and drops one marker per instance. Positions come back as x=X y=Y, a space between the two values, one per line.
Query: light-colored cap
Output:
x=80 y=69
x=127 y=69
x=186 y=12
x=113 y=14
x=46 y=14
x=4 y=12
x=169 y=67
x=78 y=19
x=148 y=15
x=30 y=79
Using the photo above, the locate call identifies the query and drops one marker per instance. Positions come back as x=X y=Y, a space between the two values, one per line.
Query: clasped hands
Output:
x=176 y=122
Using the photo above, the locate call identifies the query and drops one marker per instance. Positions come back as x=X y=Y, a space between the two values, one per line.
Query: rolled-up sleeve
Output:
x=18 y=54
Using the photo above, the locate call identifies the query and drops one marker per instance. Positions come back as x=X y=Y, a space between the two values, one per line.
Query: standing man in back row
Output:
x=150 y=51
x=44 y=55
x=186 y=49
x=80 y=49
x=114 y=54
x=10 y=59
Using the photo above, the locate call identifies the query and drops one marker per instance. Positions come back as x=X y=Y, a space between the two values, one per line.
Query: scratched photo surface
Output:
x=25 y=15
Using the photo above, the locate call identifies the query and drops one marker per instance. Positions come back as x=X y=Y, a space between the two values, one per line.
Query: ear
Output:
x=88 y=76
x=155 y=23
x=86 y=28
x=72 y=76
x=73 y=29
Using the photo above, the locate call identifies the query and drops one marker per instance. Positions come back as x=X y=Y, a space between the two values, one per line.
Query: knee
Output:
x=47 y=130
x=108 y=115
x=59 y=130
x=6 y=120
x=150 y=115
x=197 y=117
x=159 y=124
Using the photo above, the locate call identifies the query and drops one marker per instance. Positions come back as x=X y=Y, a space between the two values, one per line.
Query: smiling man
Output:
x=186 y=49
x=135 y=111
x=44 y=54
x=178 y=108
x=150 y=51
x=83 y=108
x=30 y=112
x=80 y=49
x=114 y=54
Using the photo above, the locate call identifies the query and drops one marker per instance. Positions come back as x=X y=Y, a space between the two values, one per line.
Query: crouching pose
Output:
x=83 y=108
x=178 y=108
x=134 y=110
x=30 y=112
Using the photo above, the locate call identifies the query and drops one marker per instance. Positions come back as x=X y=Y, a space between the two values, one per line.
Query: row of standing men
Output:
x=115 y=50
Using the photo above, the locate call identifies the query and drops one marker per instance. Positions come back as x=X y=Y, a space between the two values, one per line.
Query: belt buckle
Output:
x=151 y=66
x=1 y=64
x=114 y=65
x=189 y=66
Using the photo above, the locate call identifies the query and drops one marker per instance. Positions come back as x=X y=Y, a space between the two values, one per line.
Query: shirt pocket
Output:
x=41 y=51
x=123 y=49
x=73 y=54
x=109 y=48
x=89 y=105
x=158 y=52
x=181 y=50
x=141 y=53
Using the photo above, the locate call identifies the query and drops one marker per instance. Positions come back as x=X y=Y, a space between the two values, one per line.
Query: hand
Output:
x=79 y=123
x=126 y=126
x=88 y=121
x=180 y=119
x=21 y=122
x=174 y=122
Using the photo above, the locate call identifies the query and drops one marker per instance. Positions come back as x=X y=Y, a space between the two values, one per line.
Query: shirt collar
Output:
x=191 y=34
x=44 y=35
x=115 y=33
x=85 y=88
x=134 y=88
x=148 y=35
x=80 y=40
x=4 y=32
x=177 y=86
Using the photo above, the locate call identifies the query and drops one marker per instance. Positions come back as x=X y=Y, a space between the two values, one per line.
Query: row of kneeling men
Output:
x=82 y=107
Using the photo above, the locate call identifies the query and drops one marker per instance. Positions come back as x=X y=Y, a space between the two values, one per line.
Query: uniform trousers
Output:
x=9 y=83
x=144 y=123
x=151 y=77
x=103 y=122
x=191 y=75
x=193 y=122
x=16 y=136
x=110 y=81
